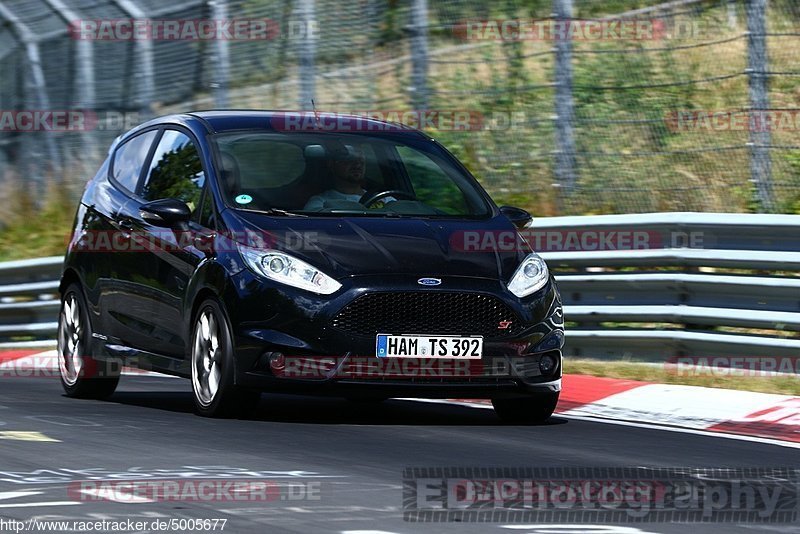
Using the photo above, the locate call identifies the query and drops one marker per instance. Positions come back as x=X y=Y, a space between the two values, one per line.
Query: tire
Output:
x=530 y=410
x=81 y=375
x=212 y=359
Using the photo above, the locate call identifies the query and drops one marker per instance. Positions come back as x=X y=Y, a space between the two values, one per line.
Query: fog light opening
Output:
x=277 y=362
x=547 y=364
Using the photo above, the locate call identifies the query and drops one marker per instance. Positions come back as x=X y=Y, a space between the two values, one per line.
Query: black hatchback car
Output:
x=257 y=251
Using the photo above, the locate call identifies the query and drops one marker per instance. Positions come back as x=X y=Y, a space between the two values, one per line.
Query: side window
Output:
x=431 y=185
x=129 y=158
x=175 y=171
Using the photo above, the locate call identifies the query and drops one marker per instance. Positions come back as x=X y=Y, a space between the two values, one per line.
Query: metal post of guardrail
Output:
x=84 y=80
x=758 y=73
x=306 y=12
x=565 y=162
x=144 y=73
x=221 y=57
x=419 y=54
x=36 y=82
x=29 y=302
x=732 y=18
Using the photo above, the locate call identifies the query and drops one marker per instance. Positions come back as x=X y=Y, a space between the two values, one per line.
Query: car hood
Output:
x=353 y=246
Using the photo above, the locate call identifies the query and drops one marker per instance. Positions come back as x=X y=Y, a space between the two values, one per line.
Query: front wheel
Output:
x=526 y=410
x=81 y=375
x=215 y=393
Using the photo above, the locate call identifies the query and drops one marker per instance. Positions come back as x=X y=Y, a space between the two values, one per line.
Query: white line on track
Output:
x=7 y=495
x=39 y=504
x=707 y=433
x=4 y=496
x=650 y=426
x=577 y=529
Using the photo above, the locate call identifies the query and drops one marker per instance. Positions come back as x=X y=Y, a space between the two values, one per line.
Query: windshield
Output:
x=328 y=174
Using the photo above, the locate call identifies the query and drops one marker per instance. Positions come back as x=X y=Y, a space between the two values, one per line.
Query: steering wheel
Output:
x=368 y=199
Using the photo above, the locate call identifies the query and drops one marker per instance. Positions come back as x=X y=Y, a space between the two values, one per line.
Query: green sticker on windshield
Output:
x=243 y=199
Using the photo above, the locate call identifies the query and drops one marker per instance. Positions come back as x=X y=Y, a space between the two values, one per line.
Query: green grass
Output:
x=28 y=231
x=626 y=151
x=663 y=374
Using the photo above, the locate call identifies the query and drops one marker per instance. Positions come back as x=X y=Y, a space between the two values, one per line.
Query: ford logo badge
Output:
x=429 y=281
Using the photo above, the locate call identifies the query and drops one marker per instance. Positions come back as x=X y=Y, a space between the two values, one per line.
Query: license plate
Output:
x=410 y=346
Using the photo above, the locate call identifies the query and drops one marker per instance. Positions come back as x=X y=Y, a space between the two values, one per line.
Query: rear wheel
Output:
x=81 y=375
x=526 y=410
x=215 y=393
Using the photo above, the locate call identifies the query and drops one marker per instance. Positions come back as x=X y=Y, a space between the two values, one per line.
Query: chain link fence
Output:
x=573 y=106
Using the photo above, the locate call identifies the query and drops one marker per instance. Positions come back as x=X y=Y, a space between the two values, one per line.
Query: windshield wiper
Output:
x=277 y=212
x=365 y=213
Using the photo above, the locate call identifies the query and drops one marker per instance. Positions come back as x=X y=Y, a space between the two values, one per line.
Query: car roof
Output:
x=217 y=121
x=242 y=119
x=221 y=120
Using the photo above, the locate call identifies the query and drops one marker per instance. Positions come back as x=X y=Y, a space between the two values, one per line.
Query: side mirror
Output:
x=167 y=213
x=518 y=216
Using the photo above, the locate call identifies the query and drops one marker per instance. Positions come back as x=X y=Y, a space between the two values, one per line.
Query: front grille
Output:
x=431 y=312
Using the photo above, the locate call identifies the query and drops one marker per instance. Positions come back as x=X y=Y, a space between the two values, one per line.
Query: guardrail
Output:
x=699 y=285
x=29 y=302
x=645 y=286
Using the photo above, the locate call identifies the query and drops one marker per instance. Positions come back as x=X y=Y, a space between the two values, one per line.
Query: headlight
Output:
x=288 y=270
x=530 y=276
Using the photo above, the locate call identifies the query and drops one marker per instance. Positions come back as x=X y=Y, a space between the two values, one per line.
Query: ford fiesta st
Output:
x=259 y=251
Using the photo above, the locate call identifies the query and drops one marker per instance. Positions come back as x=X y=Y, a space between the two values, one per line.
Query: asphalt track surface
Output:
x=356 y=453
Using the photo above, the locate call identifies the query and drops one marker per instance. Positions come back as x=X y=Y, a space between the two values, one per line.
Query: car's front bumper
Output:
x=272 y=319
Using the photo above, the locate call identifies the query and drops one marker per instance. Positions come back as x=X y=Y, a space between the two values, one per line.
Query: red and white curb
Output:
x=744 y=415
x=727 y=411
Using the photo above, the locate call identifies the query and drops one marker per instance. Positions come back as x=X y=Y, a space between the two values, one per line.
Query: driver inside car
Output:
x=347 y=165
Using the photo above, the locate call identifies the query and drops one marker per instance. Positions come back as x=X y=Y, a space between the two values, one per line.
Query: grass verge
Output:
x=28 y=230
x=784 y=384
